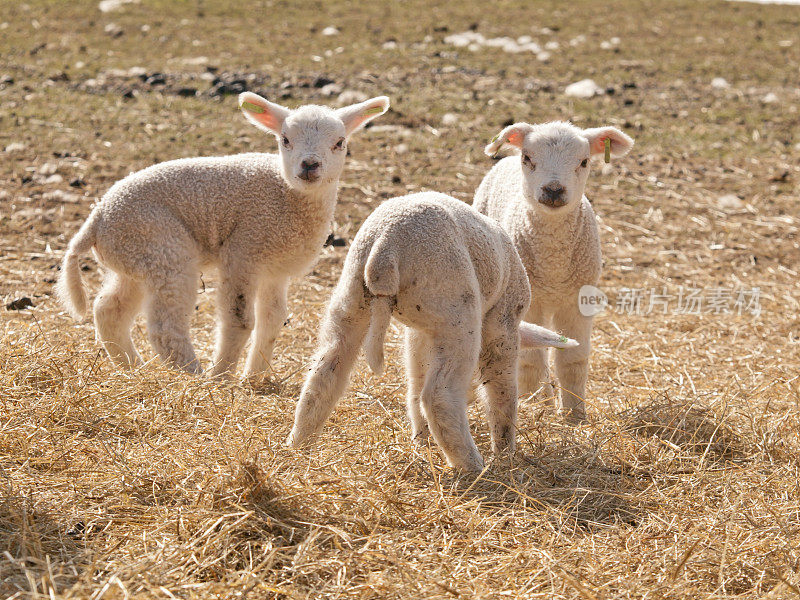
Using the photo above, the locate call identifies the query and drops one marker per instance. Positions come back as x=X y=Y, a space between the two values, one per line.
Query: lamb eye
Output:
x=528 y=161
x=286 y=141
x=584 y=162
x=339 y=145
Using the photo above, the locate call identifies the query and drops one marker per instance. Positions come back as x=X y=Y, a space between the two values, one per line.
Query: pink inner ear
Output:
x=598 y=144
x=267 y=119
x=514 y=138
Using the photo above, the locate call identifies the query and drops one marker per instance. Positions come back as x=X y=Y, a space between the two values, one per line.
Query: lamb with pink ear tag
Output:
x=259 y=218
x=538 y=198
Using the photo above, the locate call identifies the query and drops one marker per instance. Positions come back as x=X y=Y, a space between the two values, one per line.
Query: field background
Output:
x=684 y=483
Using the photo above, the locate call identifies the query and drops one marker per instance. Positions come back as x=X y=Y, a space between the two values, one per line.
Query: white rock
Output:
x=351 y=97
x=719 y=83
x=543 y=56
x=331 y=89
x=770 y=98
x=61 y=196
x=112 y=5
x=552 y=45
x=15 y=147
x=729 y=202
x=577 y=40
x=449 y=119
x=330 y=31
x=401 y=148
x=524 y=39
x=586 y=88
x=47 y=168
x=390 y=45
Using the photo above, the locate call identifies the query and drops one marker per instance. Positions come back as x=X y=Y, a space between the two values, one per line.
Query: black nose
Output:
x=310 y=165
x=553 y=190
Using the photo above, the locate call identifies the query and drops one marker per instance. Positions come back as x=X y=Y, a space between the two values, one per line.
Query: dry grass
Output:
x=684 y=484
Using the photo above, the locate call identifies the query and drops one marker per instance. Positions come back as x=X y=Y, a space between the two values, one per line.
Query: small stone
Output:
x=113 y=30
x=321 y=81
x=729 y=202
x=770 y=98
x=328 y=31
x=20 y=304
x=719 y=83
x=15 y=147
x=335 y=241
x=351 y=97
x=586 y=88
x=156 y=79
x=330 y=89
x=449 y=119
x=6 y=79
x=61 y=196
x=47 y=168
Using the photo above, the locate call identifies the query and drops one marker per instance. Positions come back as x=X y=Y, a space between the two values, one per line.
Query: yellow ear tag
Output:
x=608 y=150
x=373 y=111
x=253 y=108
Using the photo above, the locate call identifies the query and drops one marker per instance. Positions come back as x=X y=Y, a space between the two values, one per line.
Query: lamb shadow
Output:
x=36 y=546
x=687 y=427
x=567 y=482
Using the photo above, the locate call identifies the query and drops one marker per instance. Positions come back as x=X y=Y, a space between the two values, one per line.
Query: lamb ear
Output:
x=262 y=113
x=513 y=135
x=597 y=136
x=356 y=116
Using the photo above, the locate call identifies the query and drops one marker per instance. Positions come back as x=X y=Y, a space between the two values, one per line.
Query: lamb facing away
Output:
x=260 y=218
x=453 y=278
x=538 y=199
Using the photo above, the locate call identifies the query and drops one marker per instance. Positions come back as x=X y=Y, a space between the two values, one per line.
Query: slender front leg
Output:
x=417 y=350
x=236 y=316
x=270 y=309
x=572 y=364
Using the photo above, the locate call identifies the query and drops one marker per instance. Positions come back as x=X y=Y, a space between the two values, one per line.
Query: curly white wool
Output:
x=260 y=218
x=453 y=277
x=538 y=198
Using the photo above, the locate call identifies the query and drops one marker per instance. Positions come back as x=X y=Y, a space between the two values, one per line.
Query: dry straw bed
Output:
x=684 y=482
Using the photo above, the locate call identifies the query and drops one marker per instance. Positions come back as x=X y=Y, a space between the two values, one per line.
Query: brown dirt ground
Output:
x=684 y=484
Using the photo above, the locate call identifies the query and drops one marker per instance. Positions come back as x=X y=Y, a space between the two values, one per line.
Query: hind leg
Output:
x=444 y=396
x=534 y=372
x=169 y=309
x=417 y=351
x=341 y=336
x=115 y=308
x=498 y=369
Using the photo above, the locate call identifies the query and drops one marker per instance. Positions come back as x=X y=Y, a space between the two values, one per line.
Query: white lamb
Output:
x=260 y=218
x=452 y=276
x=538 y=199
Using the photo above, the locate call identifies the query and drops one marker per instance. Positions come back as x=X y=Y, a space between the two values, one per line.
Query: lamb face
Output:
x=554 y=160
x=312 y=140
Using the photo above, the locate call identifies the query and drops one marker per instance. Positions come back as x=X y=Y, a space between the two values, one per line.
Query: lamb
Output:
x=260 y=218
x=539 y=200
x=452 y=276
